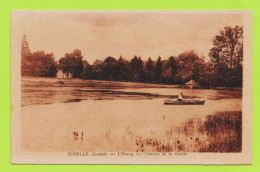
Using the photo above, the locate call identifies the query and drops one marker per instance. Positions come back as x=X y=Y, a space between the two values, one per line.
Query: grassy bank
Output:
x=221 y=132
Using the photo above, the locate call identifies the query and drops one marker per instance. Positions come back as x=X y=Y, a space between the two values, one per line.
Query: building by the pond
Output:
x=192 y=84
x=61 y=74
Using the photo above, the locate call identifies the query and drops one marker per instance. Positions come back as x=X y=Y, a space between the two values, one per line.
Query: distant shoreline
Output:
x=145 y=83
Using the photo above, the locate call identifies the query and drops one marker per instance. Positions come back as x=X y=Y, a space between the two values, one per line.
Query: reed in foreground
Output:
x=221 y=132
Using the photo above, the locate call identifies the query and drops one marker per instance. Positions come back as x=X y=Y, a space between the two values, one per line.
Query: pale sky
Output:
x=99 y=34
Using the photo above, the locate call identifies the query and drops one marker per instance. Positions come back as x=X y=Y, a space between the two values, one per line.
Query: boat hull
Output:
x=184 y=102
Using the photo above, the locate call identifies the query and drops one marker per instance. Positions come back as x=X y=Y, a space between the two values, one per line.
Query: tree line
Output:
x=37 y=63
x=223 y=69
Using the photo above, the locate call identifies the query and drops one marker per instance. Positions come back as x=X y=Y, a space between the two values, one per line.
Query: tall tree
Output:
x=72 y=63
x=227 y=46
x=158 y=69
x=39 y=64
x=124 y=73
x=189 y=66
x=44 y=64
x=227 y=56
x=87 y=72
x=25 y=50
x=110 y=69
x=206 y=75
x=149 y=70
x=137 y=69
x=25 y=57
x=172 y=66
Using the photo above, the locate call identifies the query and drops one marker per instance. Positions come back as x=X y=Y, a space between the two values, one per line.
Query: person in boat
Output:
x=180 y=98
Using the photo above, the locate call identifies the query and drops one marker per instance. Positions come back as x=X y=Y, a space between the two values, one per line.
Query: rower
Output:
x=180 y=98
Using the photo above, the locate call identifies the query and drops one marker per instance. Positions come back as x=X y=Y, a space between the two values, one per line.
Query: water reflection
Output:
x=112 y=121
x=35 y=91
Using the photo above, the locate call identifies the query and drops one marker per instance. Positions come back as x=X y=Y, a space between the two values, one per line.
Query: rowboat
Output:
x=183 y=102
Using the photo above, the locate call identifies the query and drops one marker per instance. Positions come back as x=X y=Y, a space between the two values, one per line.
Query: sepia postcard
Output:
x=131 y=87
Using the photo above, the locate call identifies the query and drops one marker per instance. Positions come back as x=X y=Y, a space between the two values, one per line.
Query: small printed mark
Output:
x=81 y=137
x=76 y=136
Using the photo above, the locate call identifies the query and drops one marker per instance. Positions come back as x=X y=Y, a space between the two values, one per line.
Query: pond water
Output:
x=80 y=115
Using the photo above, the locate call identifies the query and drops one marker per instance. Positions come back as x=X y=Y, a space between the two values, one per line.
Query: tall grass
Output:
x=224 y=132
x=221 y=132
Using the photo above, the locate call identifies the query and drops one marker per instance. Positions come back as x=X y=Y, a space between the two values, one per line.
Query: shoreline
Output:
x=53 y=81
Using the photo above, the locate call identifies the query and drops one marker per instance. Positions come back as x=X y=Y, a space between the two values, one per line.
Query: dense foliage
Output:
x=227 y=57
x=72 y=63
x=174 y=70
x=223 y=69
x=37 y=63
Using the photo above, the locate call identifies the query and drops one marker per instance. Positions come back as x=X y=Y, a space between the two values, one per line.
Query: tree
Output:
x=39 y=64
x=97 y=69
x=137 y=69
x=110 y=69
x=158 y=69
x=110 y=60
x=171 y=69
x=25 y=50
x=167 y=75
x=45 y=65
x=190 y=66
x=206 y=75
x=72 y=63
x=124 y=73
x=25 y=57
x=227 y=56
x=149 y=70
x=87 y=72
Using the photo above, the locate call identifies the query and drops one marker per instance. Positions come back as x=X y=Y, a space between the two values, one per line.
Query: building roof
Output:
x=193 y=83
